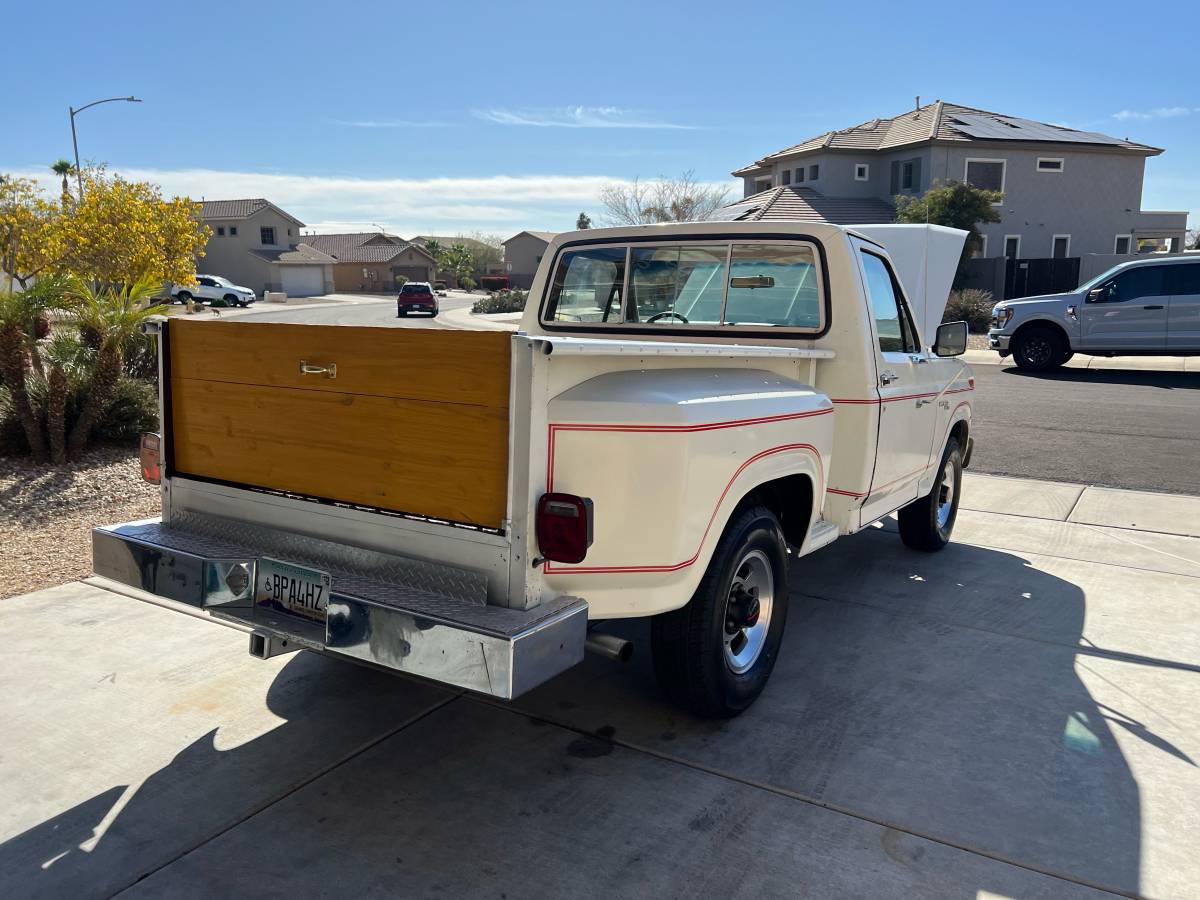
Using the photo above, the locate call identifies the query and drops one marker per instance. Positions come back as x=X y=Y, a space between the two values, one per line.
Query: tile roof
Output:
x=943 y=121
x=300 y=253
x=363 y=247
x=338 y=243
x=792 y=203
x=240 y=209
x=546 y=236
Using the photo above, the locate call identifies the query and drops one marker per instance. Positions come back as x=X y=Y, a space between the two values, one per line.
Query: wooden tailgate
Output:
x=415 y=420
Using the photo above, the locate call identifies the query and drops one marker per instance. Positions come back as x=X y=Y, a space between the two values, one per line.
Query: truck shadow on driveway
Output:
x=935 y=696
x=1171 y=381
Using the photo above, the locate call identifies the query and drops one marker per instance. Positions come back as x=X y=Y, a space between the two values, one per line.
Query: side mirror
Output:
x=1098 y=294
x=951 y=339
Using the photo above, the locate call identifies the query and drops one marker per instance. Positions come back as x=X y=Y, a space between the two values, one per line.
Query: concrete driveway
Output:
x=1015 y=716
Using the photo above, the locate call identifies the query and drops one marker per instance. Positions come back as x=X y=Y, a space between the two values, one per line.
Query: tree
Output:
x=65 y=170
x=17 y=310
x=113 y=315
x=1192 y=239
x=682 y=199
x=487 y=250
x=956 y=205
x=120 y=232
x=31 y=230
x=584 y=221
x=459 y=260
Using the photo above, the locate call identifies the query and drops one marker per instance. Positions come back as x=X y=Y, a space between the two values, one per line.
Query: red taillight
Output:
x=148 y=456
x=564 y=527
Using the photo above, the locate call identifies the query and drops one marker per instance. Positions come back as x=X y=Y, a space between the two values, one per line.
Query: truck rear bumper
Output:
x=401 y=623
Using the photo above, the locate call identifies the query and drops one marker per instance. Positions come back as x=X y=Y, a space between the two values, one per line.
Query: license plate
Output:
x=294 y=589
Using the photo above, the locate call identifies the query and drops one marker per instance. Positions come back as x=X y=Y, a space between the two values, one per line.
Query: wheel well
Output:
x=1044 y=323
x=790 y=498
x=960 y=432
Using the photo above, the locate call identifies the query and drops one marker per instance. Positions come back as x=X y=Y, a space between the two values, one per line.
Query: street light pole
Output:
x=75 y=140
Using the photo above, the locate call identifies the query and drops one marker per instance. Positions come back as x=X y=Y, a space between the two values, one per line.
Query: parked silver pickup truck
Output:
x=1146 y=307
x=685 y=411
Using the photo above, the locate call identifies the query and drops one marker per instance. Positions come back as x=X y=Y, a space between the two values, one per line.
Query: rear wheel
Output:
x=1039 y=348
x=926 y=524
x=183 y=296
x=715 y=655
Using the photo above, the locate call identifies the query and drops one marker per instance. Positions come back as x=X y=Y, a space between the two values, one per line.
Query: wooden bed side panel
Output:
x=432 y=459
x=441 y=365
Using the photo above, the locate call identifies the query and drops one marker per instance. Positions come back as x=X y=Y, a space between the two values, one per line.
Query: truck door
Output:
x=906 y=387
x=1183 y=307
x=1127 y=312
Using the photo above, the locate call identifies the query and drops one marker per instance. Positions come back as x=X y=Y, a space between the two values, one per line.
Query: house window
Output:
x=1060 y=246
x=800 y=175
x=762 y=184
x=862 y=172
x=1049 y=164
x=1012 y=246
x=366 y=272
x=980 y=250
x=233 y=231
x=220 y=231
x=787 y=176
x=813 y=172
x=289 y=232
x=266 y=234
x=1122 y=244
x=906 y=176
x=986 y=174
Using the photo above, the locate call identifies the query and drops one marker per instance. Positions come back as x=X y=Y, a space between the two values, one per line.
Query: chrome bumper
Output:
x=997 y=341
x=402 y=614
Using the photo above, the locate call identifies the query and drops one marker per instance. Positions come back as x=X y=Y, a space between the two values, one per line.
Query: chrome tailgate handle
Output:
x=329 y=370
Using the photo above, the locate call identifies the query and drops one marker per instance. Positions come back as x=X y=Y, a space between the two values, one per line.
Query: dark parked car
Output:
x=416 y=296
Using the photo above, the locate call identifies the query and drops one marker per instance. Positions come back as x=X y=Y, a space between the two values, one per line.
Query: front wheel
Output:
x=926 y=523
x=183 y=297
x=714 y=655
x=1039 y=348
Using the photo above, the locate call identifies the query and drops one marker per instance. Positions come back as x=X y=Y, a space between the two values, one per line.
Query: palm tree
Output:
x=113 y=316
x=66 y=170
x=17 y=311
x=68 y=363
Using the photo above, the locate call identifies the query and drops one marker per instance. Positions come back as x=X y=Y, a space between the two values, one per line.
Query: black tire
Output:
x=183 y=296
x=921 y=525
x=433 y=315
x=400 y=314
x=1039 y=348
x=691 y=659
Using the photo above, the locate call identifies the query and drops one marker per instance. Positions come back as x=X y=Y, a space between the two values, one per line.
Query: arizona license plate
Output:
x=292 y=588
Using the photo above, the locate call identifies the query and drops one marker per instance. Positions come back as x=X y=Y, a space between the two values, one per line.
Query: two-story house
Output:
x=1065 y=193
x=256 y=244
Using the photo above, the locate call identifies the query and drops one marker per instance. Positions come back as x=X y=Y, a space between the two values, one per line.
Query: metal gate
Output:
x=1033 y=277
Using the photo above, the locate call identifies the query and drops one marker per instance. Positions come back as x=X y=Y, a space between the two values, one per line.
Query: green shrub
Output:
x=218 y=303
x=972 y=306
x=501 y=302
x=134 y=409
x=467 y=283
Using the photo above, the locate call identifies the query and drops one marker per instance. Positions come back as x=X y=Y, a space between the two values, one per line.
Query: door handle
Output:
x=1156 y=306
x=886 y=378
x=918 y=359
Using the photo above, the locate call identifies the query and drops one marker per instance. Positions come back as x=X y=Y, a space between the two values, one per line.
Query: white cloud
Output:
x=405 y=206
x=575 y=117
x=1162 y=112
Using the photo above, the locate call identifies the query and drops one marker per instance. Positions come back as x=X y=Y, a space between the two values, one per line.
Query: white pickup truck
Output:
x=684 y=410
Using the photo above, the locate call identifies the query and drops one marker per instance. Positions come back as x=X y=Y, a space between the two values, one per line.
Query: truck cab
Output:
x=685 y=410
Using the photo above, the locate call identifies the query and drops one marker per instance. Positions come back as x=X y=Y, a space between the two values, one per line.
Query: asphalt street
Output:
x=358 y=312
x=1115 y=427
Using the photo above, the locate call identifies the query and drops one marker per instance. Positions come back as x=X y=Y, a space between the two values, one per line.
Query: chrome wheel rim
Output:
x=748 y=609
x=946 y=495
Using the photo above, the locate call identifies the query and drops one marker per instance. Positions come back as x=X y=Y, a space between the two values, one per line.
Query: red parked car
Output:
x=416 y=296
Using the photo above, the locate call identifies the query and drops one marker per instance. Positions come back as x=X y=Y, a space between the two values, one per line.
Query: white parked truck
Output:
x=684 y=409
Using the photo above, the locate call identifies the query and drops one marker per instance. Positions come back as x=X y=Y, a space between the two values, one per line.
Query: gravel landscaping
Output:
x=47 y=513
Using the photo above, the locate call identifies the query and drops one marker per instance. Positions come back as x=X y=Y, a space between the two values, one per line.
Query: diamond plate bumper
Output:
x=403 y=614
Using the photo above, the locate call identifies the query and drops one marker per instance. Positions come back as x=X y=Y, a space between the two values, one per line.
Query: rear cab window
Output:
x=690 y=285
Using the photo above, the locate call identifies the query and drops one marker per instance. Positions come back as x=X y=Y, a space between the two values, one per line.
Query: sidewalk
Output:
x=1083 y=361
x=465 y=319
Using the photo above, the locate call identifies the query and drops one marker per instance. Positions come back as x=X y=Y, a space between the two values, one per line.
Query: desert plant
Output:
x=501 y=302
x=467 y=283
x=115 y=317
x=17 y=311
x=972 y=306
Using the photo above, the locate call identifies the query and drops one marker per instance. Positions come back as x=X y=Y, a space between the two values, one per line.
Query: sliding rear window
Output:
x=690 y=285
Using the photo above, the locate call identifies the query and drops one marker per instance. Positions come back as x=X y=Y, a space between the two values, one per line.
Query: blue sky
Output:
x=449 y=117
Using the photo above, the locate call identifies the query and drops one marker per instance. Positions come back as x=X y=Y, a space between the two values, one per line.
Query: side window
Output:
x=587 y=286
x=1143 y=281
x=676 y=285
x=773 y=284
x=1183 y=279
x=895 y=329
x=267 y=234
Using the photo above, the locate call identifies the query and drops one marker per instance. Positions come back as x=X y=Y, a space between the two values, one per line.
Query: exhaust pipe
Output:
x=609 y=646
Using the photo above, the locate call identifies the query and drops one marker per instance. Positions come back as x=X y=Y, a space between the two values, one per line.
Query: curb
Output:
x=1083 y=361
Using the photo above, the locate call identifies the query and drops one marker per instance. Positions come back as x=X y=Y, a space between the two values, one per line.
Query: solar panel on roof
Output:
x=1009 y=128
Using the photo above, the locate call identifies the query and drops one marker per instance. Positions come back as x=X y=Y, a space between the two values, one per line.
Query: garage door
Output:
x=412 y=273
x=303 y=281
